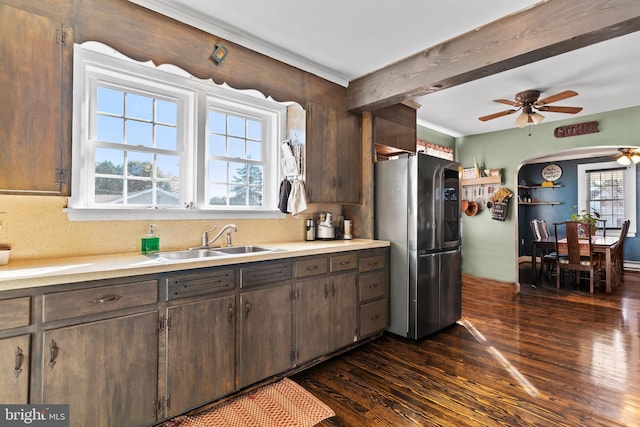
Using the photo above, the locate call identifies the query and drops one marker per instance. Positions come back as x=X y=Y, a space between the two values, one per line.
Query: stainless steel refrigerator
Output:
x=418 y=211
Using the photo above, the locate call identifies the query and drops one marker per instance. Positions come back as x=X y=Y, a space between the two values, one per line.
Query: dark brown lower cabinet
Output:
x=265 y=332
x=344 y=310
x=14 y=369
x=312 y=324
x=107 y=371
x=200 y=353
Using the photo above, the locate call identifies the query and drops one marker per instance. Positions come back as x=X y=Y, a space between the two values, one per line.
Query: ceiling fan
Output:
x=528 y=102
x=628 y=155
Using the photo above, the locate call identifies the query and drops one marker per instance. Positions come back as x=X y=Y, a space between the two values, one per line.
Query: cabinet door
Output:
x=266 y=333
x=333 y=167
x=344 y=306
x=312 y=319
x=106 y=371
x=14 y=369
x=200 y=353
x=33 y=122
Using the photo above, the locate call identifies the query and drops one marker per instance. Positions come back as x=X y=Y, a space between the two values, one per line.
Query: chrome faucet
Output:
x=229 y=228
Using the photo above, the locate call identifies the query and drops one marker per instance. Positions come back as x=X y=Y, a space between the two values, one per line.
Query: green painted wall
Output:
x=490 y=247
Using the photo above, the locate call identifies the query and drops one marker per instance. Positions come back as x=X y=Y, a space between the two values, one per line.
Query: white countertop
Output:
x=22 y=274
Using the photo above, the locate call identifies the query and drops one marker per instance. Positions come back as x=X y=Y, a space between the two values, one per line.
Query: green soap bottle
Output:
x=150 y=243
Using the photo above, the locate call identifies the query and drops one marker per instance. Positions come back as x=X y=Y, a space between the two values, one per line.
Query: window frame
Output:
x=630 y=190
x=96 y=63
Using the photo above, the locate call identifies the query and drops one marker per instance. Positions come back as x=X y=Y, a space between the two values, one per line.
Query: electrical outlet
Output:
x=4 y=223
x=522 y=242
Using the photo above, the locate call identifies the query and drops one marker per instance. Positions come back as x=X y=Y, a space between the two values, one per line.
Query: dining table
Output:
x=600 y=244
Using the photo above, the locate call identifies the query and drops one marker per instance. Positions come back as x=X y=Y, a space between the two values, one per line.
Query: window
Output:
x=159 y=141
x=608 y=189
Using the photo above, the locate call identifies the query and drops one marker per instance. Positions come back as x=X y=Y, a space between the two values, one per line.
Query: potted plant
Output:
x=587 y=217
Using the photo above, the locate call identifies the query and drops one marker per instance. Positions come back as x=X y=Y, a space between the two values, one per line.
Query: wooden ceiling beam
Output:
x=542 y=31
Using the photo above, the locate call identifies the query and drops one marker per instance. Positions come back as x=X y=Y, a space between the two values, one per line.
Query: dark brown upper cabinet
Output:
x=35 y=116
x=394 y=130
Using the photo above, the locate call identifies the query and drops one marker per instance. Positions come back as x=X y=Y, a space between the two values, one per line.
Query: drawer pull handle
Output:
x=326 y=291
x=247 y=308
x=373 y=264
x=373 y=285
x=376 y=317
x=230 y=313
x=53 y=353
x=345 y=263
x=312 y=267
x=107 y=298
x=19 y=358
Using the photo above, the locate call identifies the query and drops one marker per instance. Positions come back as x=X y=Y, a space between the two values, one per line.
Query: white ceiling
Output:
x=342 y=40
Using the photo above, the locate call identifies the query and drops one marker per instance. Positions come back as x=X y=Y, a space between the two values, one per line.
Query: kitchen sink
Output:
x=236 y=250
x=212 y=252
x=187 y=254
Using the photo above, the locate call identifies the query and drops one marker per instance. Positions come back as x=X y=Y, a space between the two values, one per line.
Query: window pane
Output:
x=255 y=175
x=218 y=195
x=218 y=171
x=254 y=150
x=217 y=122
x=110 y=101
x=109 y=190
x=236 y=147
x=109 y=161
x=140 y=164
x=165 y=194
x=237 y=195
x=139 y=192
x=167 y=166
x=166 y=137
x=217 y=145
x=139 y=133
x=236 y=126
x=238 y=173
x=110 y=129
x=255 y=196
x=254 y=130
x=140 y=107
x=166 y=112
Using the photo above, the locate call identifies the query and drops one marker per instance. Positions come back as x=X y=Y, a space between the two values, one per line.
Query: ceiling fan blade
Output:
x=557 y=109
x=496 y=115
x=557 y=97
x=506 y=101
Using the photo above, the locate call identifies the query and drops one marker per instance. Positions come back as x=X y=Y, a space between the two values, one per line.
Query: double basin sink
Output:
x=201 y=253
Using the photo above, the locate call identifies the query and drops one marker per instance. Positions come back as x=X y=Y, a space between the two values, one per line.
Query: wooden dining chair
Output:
x=617 y=255
x=576 y=255
x=540 y=231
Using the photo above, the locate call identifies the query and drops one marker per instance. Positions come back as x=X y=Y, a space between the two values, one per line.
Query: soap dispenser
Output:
x=150 y=243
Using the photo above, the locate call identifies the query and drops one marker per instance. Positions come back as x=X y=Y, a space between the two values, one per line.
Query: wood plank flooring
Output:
x=541 y=357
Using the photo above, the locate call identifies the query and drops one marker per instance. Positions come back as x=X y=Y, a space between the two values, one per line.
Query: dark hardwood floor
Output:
x=541 y=357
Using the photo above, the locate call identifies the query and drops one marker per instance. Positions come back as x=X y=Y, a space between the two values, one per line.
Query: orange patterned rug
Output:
x=282 y=404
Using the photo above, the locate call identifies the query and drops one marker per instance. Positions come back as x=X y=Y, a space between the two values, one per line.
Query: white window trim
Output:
x=195 y=92
x=630 y=196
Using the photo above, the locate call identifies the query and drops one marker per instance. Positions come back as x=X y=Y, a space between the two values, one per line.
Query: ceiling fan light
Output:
x=623 y=160
x=522 y=120
x=635 y=158
x=537 y=118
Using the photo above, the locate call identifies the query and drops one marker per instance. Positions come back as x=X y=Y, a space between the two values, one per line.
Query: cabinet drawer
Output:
x=263 y=274
x=186 y=285
x=64 y=305
x=373 y=285
x=15 y=312
x=374 y=316
x=311 y=267
x=371 y=263
x=344 y=262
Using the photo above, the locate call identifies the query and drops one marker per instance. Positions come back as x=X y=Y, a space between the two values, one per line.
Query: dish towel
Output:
x=297 y=198
x=283 y=197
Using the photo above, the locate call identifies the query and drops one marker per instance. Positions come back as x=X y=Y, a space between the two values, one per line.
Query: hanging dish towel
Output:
x=297 y=198
x=283 y=197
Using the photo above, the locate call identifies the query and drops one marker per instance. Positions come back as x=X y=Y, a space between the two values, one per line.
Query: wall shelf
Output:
x=533 y=187
x=536 y=202
x=487 y=180
x=539 y=203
